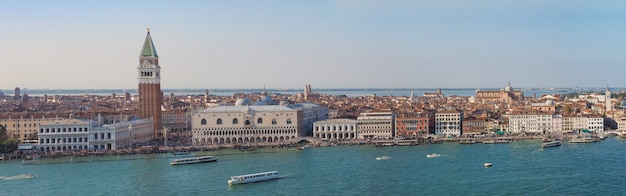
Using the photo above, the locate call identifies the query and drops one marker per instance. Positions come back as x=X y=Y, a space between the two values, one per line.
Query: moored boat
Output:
x=583 y=139
x=249 y=178
x=551 y=144
x=191 y=160
x=502 y=141
x=487 y=164
x=467 y=142
x=489 y=142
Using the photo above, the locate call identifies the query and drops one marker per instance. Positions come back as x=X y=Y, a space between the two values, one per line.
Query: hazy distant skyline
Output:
x=328 y=44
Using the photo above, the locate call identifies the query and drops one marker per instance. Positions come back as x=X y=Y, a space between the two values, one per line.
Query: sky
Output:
x=76 y=44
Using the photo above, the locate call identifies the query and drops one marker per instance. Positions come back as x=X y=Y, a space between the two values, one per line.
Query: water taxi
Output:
x=191 y=160
x=249 y=178
x=432 y=155
x=487 y=164
x=584 y=139
x=383 y=158
x=551 y=144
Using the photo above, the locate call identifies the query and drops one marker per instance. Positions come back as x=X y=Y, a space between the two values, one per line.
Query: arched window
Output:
x=203 y=121
x=247 y=122
x=259 y=121
x=219 y=121
x=274 y=121
x=289 y=121
x=235 y=121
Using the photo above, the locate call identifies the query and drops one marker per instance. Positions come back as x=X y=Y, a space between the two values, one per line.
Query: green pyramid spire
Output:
x=148 y=46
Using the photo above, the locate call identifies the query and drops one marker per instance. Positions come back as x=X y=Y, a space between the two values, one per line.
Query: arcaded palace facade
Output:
x=244 y=124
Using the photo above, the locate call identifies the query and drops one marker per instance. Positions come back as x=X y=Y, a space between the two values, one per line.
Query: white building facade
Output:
x=375 y=124
x=130 y=134
x=64 y=135
x=244 y=125
x=531 y=123
x=336 y=129
x=448 y=123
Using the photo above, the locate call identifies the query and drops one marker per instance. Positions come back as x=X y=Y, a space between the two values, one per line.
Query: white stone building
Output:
x=375 y=124
x=129 y=134
x=535 y=123
x=64 y=135
x=336 y=129
x=244 y=124
x=448 y=123
x=595 y=123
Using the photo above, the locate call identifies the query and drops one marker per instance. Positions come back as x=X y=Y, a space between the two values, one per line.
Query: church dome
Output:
x=550 y=103
x=508 y=88
x=243 y=102
x=267 y=99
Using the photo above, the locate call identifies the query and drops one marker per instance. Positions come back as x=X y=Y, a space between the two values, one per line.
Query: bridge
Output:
x=614 y=133
x=305 y=139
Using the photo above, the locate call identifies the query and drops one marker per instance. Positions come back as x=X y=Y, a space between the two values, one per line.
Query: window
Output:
x=203 y=121
x=235 y=121
x=274 y=121
x=219 y=121
x=259 y=121
x=247 y=122
x=289 y=121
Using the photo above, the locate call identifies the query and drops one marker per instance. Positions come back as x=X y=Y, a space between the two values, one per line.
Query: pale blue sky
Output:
x=329 y=44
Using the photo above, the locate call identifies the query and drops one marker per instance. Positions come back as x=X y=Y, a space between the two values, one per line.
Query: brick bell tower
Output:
x=149 y=76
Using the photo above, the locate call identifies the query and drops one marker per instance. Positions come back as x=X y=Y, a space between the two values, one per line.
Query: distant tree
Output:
x=7 y=144
x=3 y=134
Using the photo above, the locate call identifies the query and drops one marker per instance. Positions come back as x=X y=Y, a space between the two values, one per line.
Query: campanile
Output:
x=149 y=76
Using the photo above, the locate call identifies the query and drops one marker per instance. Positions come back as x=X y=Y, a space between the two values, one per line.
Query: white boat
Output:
x=551 y=144
x=502 y=141
x=585 y=139
x=487 y=164
x=489 y=142
x=191 y=160
x=249 y=178
x=383 y=158
x=433 y=155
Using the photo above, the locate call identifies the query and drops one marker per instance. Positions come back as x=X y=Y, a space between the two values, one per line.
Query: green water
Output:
x=519 y=168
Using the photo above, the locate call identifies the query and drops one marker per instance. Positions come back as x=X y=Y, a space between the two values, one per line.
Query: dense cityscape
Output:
x=59 y=124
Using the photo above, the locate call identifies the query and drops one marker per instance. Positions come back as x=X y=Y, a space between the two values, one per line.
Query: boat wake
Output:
x=18 y=177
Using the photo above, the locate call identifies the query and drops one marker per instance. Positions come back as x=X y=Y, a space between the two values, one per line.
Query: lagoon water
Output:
x=519 y=168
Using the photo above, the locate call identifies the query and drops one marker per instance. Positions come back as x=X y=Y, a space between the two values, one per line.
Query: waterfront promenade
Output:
x=156 y=149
